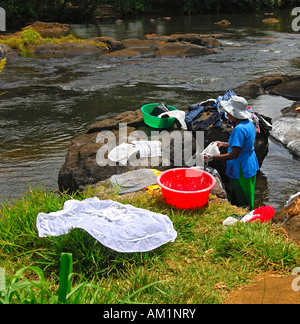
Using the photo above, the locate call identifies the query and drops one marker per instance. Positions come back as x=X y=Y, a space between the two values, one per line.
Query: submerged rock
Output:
x=66 y=49
x=183 y=49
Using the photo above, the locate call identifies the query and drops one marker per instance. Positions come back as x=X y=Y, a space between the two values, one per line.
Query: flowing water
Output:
x=47 y=102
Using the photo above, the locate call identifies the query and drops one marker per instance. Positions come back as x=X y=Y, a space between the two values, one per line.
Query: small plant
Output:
x=21 y=290
x=2 y=64
x=25 y=43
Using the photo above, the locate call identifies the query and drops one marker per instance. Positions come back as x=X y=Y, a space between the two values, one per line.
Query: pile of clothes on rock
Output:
x=193 y=121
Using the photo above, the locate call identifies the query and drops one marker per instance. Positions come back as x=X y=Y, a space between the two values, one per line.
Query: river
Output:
x=47 y=102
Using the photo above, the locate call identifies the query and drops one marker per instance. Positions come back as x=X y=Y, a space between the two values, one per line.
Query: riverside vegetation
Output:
x=74 y=11
x=201 y=266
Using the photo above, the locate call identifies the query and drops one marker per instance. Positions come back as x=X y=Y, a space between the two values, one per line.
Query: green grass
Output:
x=201 y=266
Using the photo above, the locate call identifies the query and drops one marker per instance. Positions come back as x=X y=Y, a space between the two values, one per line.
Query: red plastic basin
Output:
x=186 y=188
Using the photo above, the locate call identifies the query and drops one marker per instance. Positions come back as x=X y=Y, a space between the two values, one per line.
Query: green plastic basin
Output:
x=155 y=122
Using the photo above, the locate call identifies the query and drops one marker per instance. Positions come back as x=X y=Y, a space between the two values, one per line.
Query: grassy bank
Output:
x=205 y=262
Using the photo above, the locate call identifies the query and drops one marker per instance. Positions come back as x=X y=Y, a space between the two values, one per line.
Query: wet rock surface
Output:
x=289 y=219
x=65 y=49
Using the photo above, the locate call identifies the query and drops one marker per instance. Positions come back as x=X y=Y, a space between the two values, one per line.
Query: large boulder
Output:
x=286 y=128
x=51 y=29
x=289 y=89
x=7 y=52
x=85 y=166
x=284 y=85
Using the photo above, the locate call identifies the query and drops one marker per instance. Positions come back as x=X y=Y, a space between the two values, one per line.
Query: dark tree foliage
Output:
x=19 y=11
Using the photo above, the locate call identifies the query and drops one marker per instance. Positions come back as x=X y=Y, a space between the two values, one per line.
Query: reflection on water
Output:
x=51 y=101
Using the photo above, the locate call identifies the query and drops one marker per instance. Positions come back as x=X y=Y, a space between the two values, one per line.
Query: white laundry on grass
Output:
x=123 y=228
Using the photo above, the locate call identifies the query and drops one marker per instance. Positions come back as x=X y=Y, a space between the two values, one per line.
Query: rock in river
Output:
x=284 y=85
x=7 y=52
x=66 y=49
x=49 y=29
x=184 y=45
x=289 y=89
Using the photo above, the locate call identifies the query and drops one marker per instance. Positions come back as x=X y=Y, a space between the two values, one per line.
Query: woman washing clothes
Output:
x=242 y=164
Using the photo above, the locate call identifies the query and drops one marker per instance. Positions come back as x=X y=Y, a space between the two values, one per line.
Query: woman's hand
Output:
x=222 y=144
x=207 y=158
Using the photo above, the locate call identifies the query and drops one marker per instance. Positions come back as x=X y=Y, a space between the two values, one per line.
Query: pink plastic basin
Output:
x=186 y=188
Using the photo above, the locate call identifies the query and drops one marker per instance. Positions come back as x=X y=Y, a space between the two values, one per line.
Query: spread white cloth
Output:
x=148 y=148
x=123 y=228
